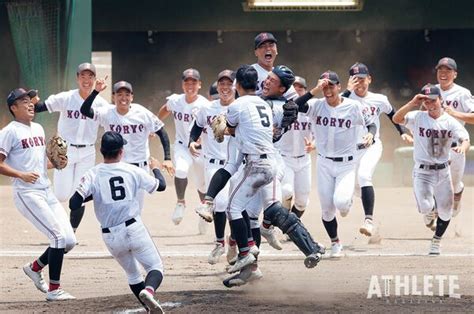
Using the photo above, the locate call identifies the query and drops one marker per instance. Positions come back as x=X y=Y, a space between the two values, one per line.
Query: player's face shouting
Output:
x=362 y=86
x=226 y=91
x=266 y=54
x=445 y=76
x=24 y=109
x=272 y=85
x=191 y=87
x=122 y=99
x=331 y=93
x=85 y=81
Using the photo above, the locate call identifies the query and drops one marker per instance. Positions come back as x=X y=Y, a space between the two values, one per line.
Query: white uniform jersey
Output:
x=459 y=98
x=114 y=188
x=73 y=126
x=433 y=137
x=290 y=94
x=336 y=128
x=376 y=104
x=24 y=147
x=204 y=117
x=135 y=127
x=184 y=114
x=253 y=119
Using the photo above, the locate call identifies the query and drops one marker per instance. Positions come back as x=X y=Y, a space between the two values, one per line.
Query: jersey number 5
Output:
x=118 y=191
x=264 y=117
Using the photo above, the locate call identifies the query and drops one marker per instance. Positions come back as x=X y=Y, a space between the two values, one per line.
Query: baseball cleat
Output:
x=249 y=274
x=367 y=228
x=457 y=203
x=152 y=304
x=205 y=211
x=430 y=220
x=435 y=247
x=216 y=253
x=312 y=260
x=178 y=213
x=270 y=235
x=58 y=295
x=232 y=251
x=254 y=251
x=37 y=278
x=336 y=250
x=202 y=226
x=241 y=263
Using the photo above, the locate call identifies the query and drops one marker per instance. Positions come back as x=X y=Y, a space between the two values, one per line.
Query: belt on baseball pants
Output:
x=80 y=145
x=296 y=157
x=338 y=159
x=127 y=223
x=262 y=156
x=434 y=167
x=217 y=161
x=139 y=164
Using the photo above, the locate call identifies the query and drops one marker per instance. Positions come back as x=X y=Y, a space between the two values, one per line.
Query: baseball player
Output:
x=358 y=89
x=23 y=158
x=79 y=132
x=114 y=185
x=335 y=121
x=215 y=154
x=459 y=99
x=266 y=51
x=300 y=85
x=213 y=93
x=134 y=122
x=434 y=132
x=184 y=108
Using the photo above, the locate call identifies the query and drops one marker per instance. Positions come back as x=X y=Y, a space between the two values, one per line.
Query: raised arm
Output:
x=399 y=116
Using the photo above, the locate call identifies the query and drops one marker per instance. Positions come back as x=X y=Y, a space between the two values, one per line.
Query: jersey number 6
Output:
x=264 y=117
x=118 y=191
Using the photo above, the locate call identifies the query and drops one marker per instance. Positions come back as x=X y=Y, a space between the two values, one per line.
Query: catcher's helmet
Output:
x=286 y=76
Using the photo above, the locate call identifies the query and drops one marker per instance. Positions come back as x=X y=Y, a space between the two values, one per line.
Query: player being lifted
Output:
x=434 y=132
x=184 y=108
x=114 y=187
x=23 y=158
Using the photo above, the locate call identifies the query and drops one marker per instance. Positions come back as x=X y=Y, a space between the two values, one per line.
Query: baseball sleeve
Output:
x=201 y=118
x=313 y=105
x=233 y=114
x=57 y=103
x=467 y=102
x=154 y=123
x=459 y=131
x=147 y=182
x=86 y=187
x=386 y=106
x=6 y=141
x=409 y=120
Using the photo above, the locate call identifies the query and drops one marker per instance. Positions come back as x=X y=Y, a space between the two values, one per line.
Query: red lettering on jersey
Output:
x=76 y=114
x=140 y=128
x=35 y=139
x=348 y=124
x=125 y=129
x=455 y=104
x=24 y=143
x=333 y=122
x=134 y=128
x=186 y=117
x=341 y=122
x=31 y=142
x=373 y=110
x=118 y=128
x=296 y=125
x=69 y=114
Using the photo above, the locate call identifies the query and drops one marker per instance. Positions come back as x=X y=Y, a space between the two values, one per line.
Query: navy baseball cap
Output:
x=301 y=81
x=191 y=73
x=264 y=37
x=112 y=141
x=430 y=90
x=359 y=70
x=18 y=93
x=122 y=84
x=213 y=91
x=86 y=67
x=449 y=62
x=226 y=74
x=331 y=76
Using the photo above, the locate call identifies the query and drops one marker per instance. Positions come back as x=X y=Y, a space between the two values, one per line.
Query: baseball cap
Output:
x=86 y=67
x=430 y=90
x=213 y=91
x=300 y=80
x=18 y=93
x=331 y=76
x=112 y=141
x=264 y=37
x=226 y=73
x=449 y=62
x=359 y=70
x=122 y=84
x=191 y=73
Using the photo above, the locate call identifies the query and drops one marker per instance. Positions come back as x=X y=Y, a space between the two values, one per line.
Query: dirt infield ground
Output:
x=192 y=285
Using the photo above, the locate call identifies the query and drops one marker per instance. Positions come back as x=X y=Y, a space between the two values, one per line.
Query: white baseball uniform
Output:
x=290 y=94
x=24 y=147
x=215 y=154
x=184 y=114
x=368 y=158
x=460 y=99
x=135 y=127
x=114 y=187
x=336 y=132
x=80 y=133
x=432 y=146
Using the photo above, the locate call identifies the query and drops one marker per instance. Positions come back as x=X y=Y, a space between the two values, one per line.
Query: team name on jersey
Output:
x=186 y=117
x=423 y=132
x=371 y=110
x=334 y=122
x=300 y=126
x=32 y=142
x=453 y=103
x=127 y=129
x=75 y=114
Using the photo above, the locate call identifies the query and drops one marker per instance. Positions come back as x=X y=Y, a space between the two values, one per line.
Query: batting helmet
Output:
x=286 y=76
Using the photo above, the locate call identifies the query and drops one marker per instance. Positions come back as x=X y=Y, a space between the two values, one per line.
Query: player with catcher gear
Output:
x=23 y=157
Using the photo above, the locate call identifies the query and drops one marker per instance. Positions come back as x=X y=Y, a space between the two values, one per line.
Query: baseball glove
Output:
x=218 y=126
x=290 y=113
x=56 y=150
